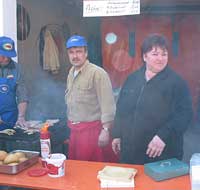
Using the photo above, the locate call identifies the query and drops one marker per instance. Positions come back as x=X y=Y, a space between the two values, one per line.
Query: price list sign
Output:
x=98 y=8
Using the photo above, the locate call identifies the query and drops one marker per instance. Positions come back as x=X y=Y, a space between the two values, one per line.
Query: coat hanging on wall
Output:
x=58 y=34
x=50 y=54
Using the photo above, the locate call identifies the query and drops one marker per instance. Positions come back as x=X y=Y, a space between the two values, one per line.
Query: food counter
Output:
x=82 y=175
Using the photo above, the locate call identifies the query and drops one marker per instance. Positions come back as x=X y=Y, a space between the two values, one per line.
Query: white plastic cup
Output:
x=56 y=165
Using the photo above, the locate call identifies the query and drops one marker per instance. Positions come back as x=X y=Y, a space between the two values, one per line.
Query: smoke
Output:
x=47 y=97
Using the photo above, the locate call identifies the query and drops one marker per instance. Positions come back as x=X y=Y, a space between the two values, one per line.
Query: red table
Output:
x=82 y=175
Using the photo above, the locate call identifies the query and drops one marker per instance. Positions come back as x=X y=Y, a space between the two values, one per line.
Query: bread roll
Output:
x=10 y=158
x=20 y=154
x=22 y=159
x=3 y=155
x=1 y=162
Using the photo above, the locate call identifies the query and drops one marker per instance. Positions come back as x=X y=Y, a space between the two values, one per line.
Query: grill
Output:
x=20 y=140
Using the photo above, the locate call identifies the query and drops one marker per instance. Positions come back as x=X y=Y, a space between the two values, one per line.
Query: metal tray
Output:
x=32 y=159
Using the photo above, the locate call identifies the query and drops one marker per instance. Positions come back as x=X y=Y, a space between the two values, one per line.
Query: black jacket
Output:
x=162 y=106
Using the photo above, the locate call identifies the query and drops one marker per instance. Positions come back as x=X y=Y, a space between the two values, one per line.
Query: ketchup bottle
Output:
x=45 y=143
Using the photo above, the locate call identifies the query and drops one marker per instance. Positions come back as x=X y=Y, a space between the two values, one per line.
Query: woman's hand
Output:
x=116 y=145
x=155 y=147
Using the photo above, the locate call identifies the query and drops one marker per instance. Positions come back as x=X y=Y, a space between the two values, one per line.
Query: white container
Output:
x=195 y=171
x=56 y=165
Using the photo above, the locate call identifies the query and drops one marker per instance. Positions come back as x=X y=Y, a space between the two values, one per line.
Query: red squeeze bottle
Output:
x=45 y=143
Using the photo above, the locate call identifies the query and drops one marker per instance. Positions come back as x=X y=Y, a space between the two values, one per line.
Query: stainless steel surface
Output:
x=32 y=159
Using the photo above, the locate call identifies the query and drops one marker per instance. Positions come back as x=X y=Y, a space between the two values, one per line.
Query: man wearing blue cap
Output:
x=13 y=94
x=90 y=106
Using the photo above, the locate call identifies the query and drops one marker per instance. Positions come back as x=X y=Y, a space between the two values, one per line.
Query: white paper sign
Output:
x=96 y=8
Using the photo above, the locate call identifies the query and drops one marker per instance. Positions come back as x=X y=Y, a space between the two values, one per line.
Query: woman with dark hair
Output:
x=154 y=109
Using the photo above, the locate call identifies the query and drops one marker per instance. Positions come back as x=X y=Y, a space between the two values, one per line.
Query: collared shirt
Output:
x=14 y=69
x=89 y=95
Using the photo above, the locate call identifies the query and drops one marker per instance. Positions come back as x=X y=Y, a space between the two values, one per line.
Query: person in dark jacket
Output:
x=154 y=109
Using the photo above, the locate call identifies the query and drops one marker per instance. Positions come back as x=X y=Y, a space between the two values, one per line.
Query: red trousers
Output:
x=83 y=143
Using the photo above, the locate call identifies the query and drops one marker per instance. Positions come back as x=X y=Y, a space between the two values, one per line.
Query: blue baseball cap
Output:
x=76 y=41
x=7 y=47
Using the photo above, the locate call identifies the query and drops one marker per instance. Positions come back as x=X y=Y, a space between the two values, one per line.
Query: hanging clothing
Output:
x=50 y=54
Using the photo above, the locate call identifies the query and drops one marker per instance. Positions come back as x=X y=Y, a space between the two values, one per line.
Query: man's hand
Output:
x=104 y=136
x=21 y=122
x=21 y=115
x=116 y=145
x=155 y=147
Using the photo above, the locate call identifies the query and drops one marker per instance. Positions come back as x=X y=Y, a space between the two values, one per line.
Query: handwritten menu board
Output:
x=97 y=8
